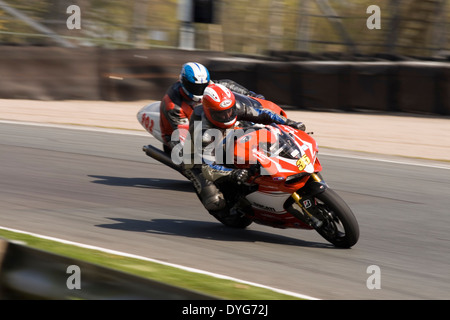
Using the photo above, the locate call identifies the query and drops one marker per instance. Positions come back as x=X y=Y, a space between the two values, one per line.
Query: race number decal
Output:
x=303 y=162
x=147 y=122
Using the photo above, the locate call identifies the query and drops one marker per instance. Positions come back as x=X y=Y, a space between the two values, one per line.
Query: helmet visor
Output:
x=223 y=116
x=195 y=88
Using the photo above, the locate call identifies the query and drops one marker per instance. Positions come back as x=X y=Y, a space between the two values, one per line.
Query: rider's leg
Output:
x=211 y=197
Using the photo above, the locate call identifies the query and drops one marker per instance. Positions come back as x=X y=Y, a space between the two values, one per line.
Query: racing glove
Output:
x=296 y=125
x=256 y=95
x=239 y=175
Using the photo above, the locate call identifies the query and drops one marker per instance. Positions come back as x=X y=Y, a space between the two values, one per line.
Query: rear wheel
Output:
x=339 y=225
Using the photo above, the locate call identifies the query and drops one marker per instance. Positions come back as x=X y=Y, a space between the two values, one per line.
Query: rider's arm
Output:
x=265 y=116
x=173 y=117
x=173 y=113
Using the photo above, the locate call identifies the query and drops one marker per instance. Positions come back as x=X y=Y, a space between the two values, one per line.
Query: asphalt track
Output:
x=99 y=188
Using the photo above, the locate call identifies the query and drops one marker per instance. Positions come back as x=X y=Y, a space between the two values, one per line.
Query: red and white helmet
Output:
x=219 y=104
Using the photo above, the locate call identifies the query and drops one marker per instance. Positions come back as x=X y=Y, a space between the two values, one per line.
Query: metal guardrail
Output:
x=375 y=85
x=416 y=87
x=27 y=274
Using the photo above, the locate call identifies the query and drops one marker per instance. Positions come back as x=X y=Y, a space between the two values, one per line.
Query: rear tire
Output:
x=339 y=223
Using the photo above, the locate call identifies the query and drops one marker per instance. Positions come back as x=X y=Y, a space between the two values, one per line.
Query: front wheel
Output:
x=339 y=225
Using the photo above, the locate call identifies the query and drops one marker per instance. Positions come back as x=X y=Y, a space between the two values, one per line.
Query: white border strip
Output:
x=215 y=275
x=80 y=127
x=405 y=162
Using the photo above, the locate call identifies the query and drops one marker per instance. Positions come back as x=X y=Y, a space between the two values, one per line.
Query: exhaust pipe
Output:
x=161 y=156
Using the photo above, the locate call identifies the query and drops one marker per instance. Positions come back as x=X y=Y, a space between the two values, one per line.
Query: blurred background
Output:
x=302 y=54
x=131 y=50
x=408 y=27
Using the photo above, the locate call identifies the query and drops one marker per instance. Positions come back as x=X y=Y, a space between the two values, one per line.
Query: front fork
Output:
x=314 y=186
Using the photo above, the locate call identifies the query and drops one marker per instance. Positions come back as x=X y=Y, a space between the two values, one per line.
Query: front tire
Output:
x=339 y=225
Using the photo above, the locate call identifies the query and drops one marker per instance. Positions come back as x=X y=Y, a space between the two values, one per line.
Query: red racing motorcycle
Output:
x=285 y=188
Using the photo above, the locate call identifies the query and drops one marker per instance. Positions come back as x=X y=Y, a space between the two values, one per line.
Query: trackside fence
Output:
x=54 y=73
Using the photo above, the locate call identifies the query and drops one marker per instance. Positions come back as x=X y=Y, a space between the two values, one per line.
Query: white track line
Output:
x=422 y=163
x=404 y=162
x=78 y=127
x=215 y=275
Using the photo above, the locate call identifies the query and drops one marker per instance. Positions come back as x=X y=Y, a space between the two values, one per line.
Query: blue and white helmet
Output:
x=194 y=79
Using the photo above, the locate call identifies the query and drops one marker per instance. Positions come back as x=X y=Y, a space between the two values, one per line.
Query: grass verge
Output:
x=221 y=288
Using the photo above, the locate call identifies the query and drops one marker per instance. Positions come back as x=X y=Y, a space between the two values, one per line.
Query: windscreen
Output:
x=284 y=146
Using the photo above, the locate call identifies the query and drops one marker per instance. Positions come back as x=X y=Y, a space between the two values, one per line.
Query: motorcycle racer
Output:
x=220 y=110
x=186 y=93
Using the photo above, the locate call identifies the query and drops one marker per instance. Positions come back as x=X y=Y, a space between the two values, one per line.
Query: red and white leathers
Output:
x=175 y=110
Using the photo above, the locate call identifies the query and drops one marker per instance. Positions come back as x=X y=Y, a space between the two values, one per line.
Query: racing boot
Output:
x=210 y=196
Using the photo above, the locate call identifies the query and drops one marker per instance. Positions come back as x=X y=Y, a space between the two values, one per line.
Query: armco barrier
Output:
x=418 y=87
x=320 y=85
x=443 y=88
x=275 y=81
x=241 y=70
x=372 y=86
x=52 y=73
x=49 y=73
x=138 y=74
x=27 y=273
x=382 y=86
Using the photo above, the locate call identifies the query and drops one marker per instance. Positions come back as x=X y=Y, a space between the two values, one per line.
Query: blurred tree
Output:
x=410 y=27
x=415 y=26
